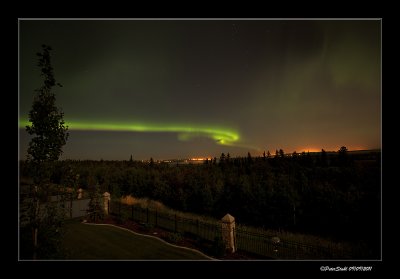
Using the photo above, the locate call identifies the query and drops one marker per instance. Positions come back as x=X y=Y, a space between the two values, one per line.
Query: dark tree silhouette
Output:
x=95 y=210
x=222 y=158
x=343 y=156
x=249 y=159
x=49 y=136
x=324 y=159
x=50 y=133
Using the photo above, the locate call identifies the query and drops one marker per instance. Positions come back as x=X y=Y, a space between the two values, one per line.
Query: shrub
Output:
x=123 y=217
x=148 y=226
x=218 y=248
x=174 y=237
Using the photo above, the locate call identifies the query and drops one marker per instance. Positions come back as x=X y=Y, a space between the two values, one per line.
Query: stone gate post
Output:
x=106 y=202
x=80 y=193
x=228 y=232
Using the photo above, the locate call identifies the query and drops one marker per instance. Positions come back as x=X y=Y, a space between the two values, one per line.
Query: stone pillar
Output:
x=106 y=202
x=228 y=232
x=80 y=192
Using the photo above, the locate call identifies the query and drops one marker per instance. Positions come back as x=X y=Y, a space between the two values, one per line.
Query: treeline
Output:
x=335 y=195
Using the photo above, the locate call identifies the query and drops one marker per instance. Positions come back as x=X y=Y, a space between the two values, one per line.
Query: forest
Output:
x=330 y=194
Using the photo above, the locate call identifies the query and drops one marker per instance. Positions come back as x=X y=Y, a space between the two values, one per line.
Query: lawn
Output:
x=104 y=242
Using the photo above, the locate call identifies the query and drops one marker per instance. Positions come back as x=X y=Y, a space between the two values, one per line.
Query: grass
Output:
x=94 y=242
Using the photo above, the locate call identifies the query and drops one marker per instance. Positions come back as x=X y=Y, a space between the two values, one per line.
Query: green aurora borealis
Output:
x=194 y=88
x=221 y=136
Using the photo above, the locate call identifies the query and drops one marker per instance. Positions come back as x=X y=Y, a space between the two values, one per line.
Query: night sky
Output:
x=195 y=88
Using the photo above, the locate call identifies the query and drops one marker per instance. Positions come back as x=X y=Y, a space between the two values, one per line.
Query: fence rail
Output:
x=258 y=243
x=265 y=245
x=170 y=222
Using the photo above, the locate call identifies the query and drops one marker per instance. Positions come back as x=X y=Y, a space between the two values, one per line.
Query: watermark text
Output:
x=346 y=268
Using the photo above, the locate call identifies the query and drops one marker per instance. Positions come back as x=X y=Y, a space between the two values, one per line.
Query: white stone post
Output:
x=228 y=232
x=106 y=202
x=80 y=193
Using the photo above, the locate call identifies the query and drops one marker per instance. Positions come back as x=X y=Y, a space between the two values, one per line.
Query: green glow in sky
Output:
x=221 y=136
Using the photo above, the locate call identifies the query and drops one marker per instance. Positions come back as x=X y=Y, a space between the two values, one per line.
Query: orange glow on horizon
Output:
x=309 y=149
x=329 y=149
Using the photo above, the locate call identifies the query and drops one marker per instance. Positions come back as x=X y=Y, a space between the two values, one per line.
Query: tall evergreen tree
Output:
x=324 y=159
x=49 y=135
x=222 y=158
x=249 y=159
x=95 y=209
x=343 y=156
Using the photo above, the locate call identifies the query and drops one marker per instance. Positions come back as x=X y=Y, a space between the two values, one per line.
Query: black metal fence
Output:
x=250 y=241
x=272 y=247
x=169 y=222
